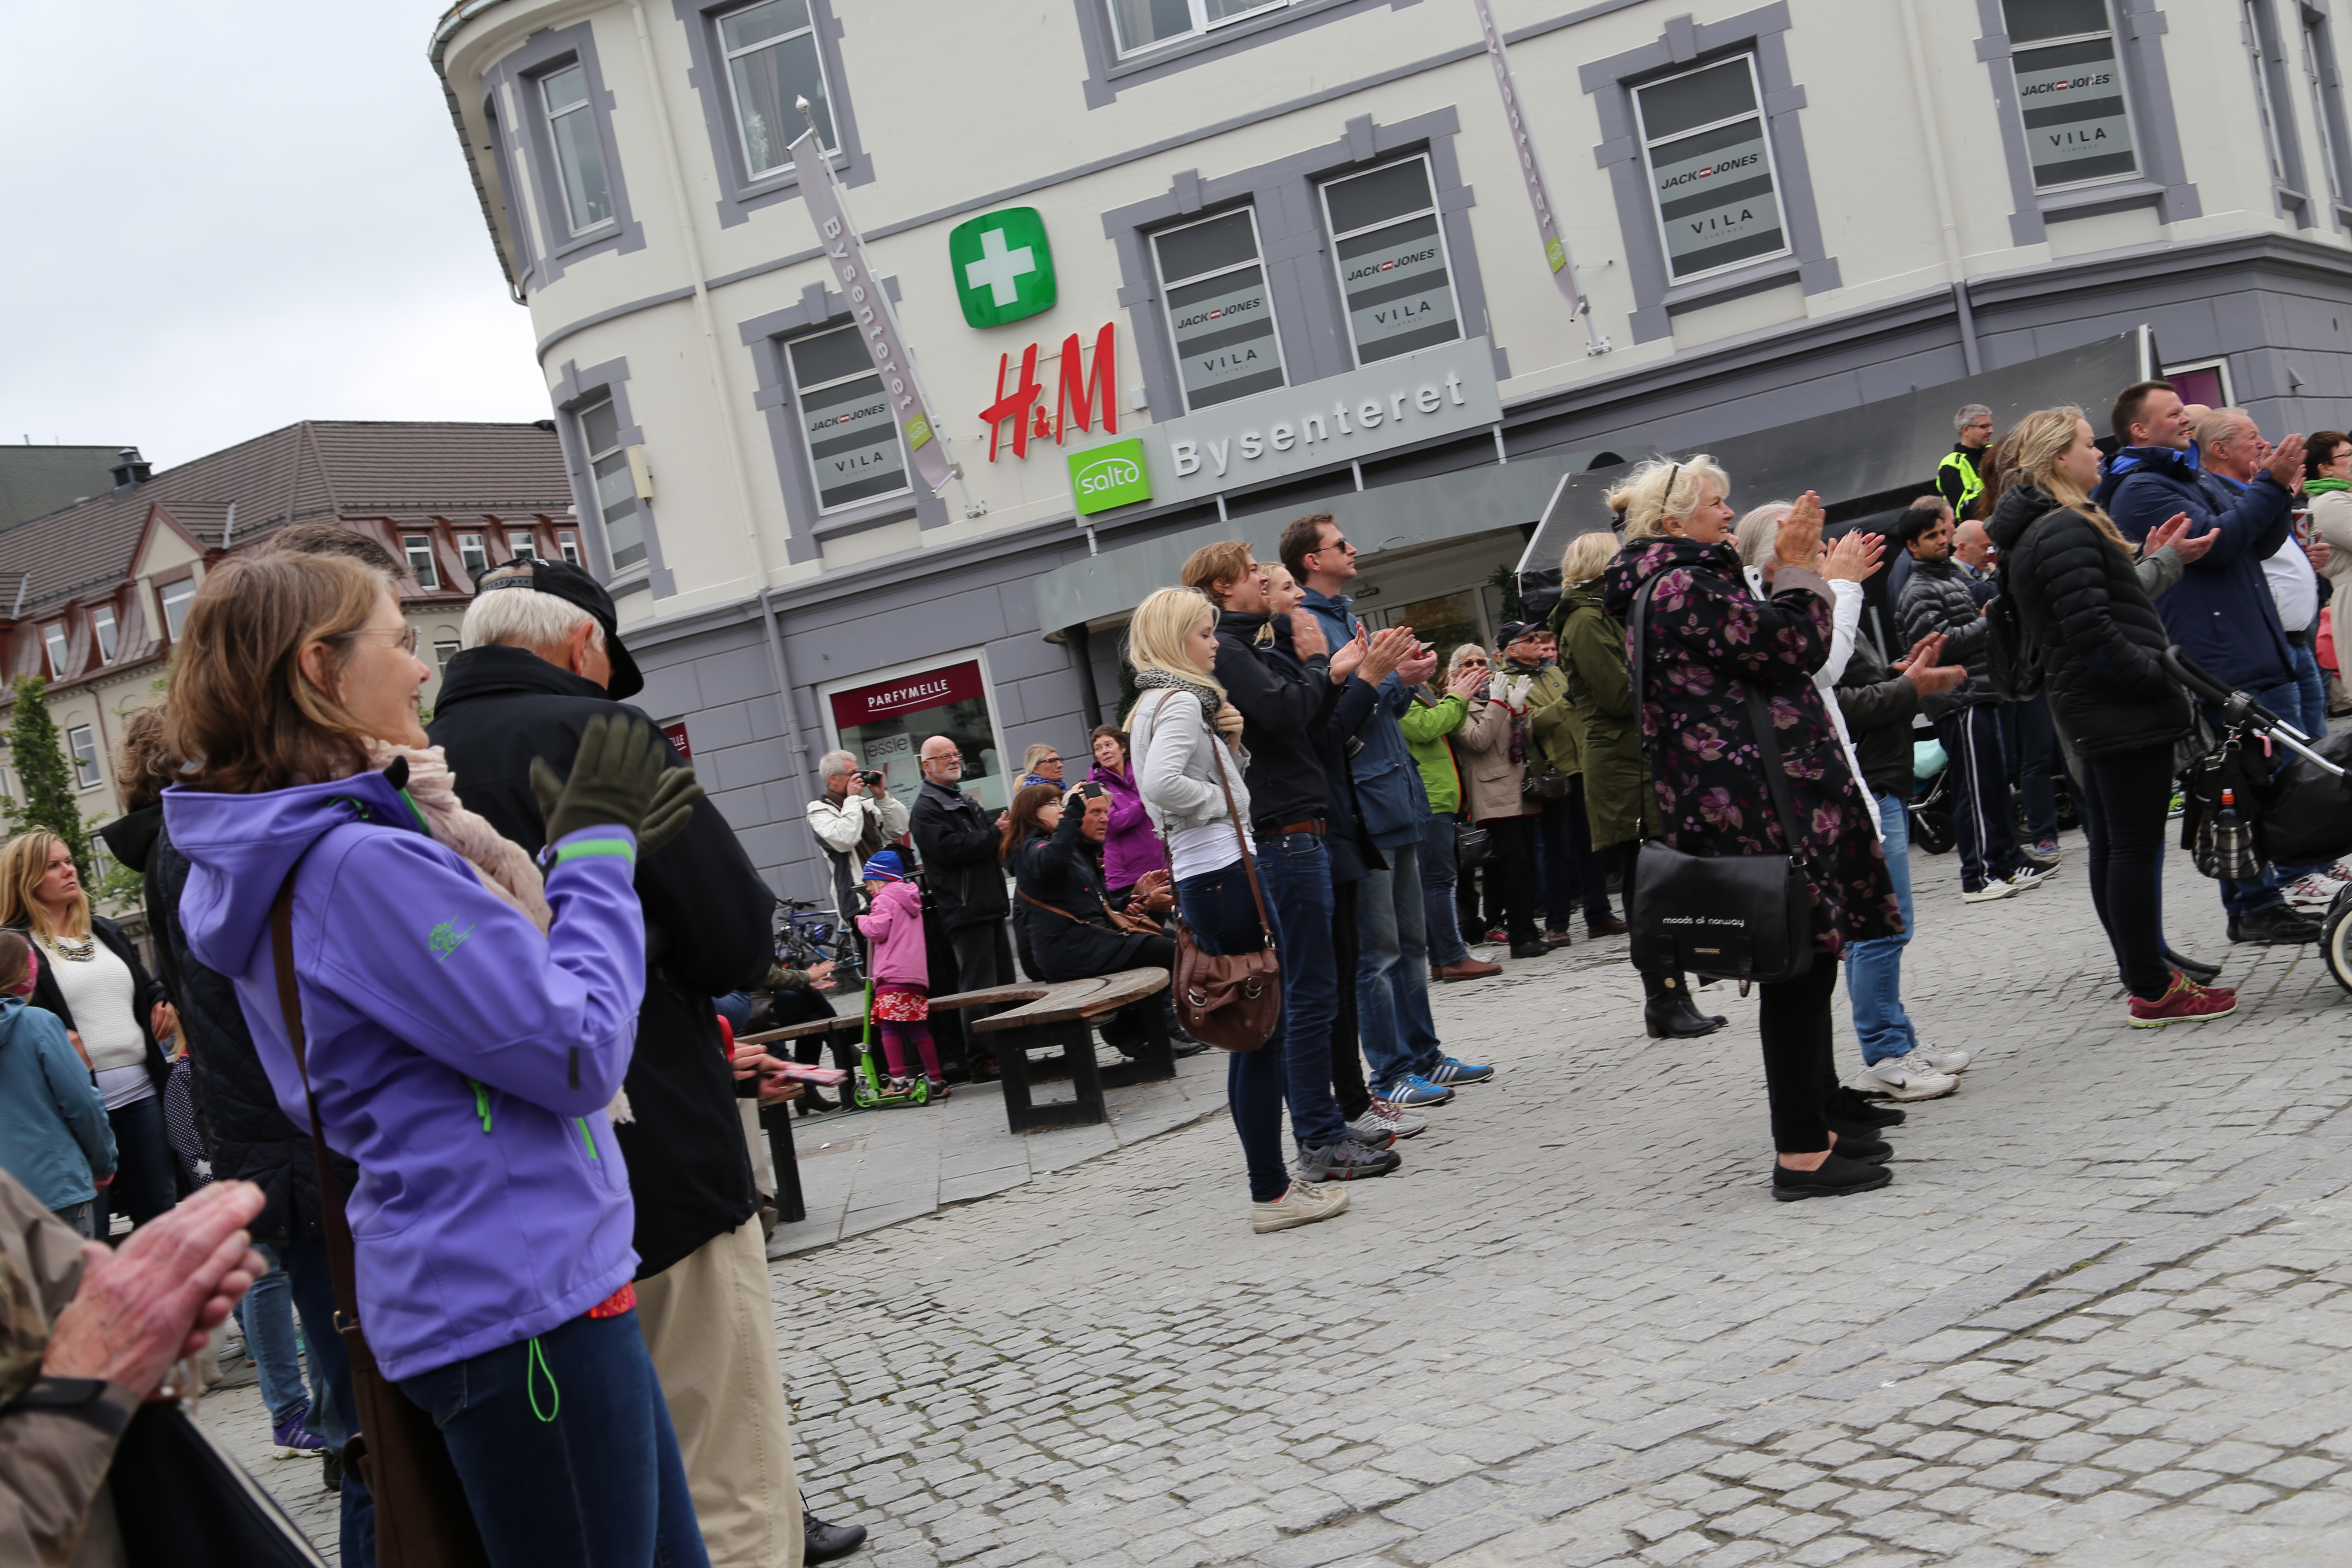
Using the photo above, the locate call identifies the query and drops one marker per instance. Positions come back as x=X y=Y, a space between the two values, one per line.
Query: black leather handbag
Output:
x=1724 y=917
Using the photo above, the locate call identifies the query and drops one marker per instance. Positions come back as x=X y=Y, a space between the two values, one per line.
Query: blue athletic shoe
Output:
x=1454 y=1070
x=1415 y=1091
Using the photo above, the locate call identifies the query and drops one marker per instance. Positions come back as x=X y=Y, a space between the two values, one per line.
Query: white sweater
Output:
x=1176 y=771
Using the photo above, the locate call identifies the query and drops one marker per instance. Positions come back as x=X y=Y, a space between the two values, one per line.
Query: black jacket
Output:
x=956 y=836
x=1879 y=703
x=1353 y=856
x=1937 y=598
x=1283 y=705
x=2099 y=637
x=1061 y=872
x=708 y=923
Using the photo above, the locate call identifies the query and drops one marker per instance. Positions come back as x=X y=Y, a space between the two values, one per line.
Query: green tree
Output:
x=45 y=781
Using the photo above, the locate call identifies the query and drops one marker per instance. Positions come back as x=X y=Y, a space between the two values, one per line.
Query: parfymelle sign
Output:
x=1416 y=397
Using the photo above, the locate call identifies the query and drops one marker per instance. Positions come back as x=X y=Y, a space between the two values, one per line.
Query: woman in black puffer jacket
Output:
x=2101 y=645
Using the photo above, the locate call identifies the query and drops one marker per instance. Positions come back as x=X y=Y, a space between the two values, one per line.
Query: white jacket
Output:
x=839 y=827
x=1845 y=624
x=1174 y=749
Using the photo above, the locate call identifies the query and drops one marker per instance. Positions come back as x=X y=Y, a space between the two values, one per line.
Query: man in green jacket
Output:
x=1426 y=724
x=1574 y=873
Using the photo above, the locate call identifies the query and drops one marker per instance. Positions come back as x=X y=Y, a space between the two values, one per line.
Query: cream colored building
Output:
x=1778 y=212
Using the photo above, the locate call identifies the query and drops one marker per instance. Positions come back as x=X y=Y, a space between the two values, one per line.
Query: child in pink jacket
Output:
x=902 y=977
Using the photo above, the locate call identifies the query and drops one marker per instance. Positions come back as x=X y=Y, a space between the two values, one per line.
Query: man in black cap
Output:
x=541 y=657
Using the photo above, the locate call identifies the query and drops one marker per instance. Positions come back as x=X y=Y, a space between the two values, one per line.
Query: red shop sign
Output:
x=676 y=733
x=909 y=694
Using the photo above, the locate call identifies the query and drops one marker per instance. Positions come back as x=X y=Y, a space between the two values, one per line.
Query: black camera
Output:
x=870 y=777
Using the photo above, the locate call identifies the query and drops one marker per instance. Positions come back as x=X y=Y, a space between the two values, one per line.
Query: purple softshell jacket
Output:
x=1132 y=847
x=896 y=928
x=461 y=1058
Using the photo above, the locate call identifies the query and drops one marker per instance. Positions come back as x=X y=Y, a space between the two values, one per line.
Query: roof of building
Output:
x=315 y=471
x=35 y=480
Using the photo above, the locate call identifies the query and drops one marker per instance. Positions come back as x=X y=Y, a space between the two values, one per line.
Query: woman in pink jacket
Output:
x=902 y=976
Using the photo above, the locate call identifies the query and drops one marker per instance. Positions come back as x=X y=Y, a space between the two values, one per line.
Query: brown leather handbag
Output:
x=1231 y=1001
x=422 y=1518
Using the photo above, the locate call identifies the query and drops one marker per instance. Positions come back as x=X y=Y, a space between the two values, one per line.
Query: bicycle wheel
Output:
x=2336 y=942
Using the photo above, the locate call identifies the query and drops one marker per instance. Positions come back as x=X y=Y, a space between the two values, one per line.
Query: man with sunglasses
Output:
x=1410 y=1067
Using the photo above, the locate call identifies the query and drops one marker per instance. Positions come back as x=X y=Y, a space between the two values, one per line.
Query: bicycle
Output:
x=807 y=936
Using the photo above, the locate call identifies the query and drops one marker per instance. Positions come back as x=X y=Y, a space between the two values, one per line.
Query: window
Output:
x=1392 y=260
x=771 y=62
x=884 y=724
x=1711 y=176
x=419 y=547
x=176 y=596
x=579 y=155
x=2250 y=33
x=1142 y=23
x=53 y=638
x=2319 y=74
x=443 y=652
x=567 y=544
x=84 y=747
x=616 y=489
x=103 y=627
x=519 y=542
x=1223 y=322
x=2070 y=89
x=852 y=443
x=471 y=555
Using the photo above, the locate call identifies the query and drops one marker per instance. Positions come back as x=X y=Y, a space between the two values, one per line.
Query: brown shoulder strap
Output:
x=330 y=1197
x=1233 y=813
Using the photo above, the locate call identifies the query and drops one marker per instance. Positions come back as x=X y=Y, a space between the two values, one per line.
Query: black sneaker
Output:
x=2277 y=926
x=1858 y=1144
x=1346 y=1160
x=1836 y=1178
x=1848 y=1104
x=1535 y=948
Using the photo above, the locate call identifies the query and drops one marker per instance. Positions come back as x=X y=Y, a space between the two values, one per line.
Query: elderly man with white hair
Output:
x=854 y=816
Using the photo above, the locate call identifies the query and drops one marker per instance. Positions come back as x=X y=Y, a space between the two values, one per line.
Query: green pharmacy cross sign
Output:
x=1003 y=268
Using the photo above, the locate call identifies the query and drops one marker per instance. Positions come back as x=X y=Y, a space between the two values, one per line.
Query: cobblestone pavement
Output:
x=2101 y=1317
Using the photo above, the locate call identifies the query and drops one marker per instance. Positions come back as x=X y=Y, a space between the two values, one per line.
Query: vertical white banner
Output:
x=870 y=306
x=1563 y=271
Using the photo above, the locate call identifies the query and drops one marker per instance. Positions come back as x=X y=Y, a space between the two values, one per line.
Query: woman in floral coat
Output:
x=1709 y=642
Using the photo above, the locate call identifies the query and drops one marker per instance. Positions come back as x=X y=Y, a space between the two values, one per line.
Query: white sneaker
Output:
x=1389 y=1119
x=1995 y=890
x=2031 y=876
x=1304 y=1203
x=1905 y=1078
x=2315 y=891
x=1948 y=1059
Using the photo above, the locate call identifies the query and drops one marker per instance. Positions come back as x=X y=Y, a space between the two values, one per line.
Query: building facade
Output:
x=1249 y=259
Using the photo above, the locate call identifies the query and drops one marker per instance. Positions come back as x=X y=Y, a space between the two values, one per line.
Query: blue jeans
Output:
x=2311 y=682
x=266 y=1316
x=597 y=1482
x=1223 y=919
x=1295 y=871
x=1438 y=876
x=2028 y=739
x=1393 y=971
x=1873 y=969
x=142 y=1168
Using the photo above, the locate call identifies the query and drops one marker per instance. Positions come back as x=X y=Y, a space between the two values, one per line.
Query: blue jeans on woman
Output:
x=143 y=1167
x=266 y=1317
x=566 y=1451
x=1438 y=876
x=1223 y=918
x=1294 y=870
x=1873 y=976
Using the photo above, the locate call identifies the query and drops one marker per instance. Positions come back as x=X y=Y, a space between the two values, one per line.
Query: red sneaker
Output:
x=2183 y=1002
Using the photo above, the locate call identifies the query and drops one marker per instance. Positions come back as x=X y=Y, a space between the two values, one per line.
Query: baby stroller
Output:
x=1930 y=805
x=2292 y=791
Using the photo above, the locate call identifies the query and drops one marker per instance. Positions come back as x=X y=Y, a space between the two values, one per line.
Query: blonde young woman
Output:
x=1189 y=761
x=113 y=1010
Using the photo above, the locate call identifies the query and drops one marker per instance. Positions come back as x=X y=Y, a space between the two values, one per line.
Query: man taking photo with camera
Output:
x=855 y=817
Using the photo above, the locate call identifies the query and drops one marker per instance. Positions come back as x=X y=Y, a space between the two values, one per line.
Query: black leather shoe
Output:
x=1608 y=926
x=1535 y=948
x=822 y=1542
x=1670 y=1016
x=1837 y=1177
x=2277 y=926
x=2197 y=969
x=1185 y=1046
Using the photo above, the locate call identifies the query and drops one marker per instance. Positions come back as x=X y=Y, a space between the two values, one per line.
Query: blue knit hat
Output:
x=886 y=867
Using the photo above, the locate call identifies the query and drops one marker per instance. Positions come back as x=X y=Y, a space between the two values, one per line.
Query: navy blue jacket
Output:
x=1351 y=847
x=2221 y=614
x=1389 y=794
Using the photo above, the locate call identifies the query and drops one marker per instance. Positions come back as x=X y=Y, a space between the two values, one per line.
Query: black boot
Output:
x=2197 y=969
x=822 y=1542
x=1669 y=1013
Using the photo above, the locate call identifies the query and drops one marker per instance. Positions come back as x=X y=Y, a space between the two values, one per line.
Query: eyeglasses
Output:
x=408 y=636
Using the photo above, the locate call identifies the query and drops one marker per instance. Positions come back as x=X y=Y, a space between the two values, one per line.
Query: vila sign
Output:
x=1416 y=397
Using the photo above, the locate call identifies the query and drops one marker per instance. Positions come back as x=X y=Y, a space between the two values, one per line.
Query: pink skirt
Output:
x=900 y=1003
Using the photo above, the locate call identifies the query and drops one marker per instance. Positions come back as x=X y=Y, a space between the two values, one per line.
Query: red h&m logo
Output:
x=1081 y=393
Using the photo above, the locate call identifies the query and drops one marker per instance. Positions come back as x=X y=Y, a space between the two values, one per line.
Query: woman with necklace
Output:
x=113 y=1010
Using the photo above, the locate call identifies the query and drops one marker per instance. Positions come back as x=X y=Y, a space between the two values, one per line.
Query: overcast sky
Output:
x=228 y=216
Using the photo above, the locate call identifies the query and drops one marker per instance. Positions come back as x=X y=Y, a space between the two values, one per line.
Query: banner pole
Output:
x=1556 y=254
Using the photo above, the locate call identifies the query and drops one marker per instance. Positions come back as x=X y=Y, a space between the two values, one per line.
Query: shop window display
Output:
x=885 y=725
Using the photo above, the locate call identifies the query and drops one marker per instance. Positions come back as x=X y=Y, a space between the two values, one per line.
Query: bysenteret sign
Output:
x=1414 y=397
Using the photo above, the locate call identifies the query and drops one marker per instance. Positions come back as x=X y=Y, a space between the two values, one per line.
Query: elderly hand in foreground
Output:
x=143 y=1306
x=1799 y=543
x=1853 y=557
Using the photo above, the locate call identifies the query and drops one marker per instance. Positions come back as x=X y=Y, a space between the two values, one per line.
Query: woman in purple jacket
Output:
x=1132 y=847
x=467 y=1027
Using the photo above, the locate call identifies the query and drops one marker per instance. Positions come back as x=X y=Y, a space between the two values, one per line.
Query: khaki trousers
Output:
x=709 y=1323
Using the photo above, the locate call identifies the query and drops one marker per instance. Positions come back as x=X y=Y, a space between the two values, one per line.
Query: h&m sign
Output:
x=1081 y=387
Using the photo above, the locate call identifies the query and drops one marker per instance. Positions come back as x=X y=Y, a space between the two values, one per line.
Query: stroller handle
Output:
x=2188 y=673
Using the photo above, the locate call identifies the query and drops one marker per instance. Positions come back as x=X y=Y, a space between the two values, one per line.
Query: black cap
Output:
x=562 y=579
x=1510 y=632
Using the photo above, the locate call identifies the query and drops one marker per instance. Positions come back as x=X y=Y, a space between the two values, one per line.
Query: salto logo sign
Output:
x=1106 y=476
x=1003 y=268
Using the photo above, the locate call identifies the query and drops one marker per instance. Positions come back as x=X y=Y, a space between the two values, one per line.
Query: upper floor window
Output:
x=853 y=442
x=1213 y=282
x=1392 y=258
x=52 y=638
x=579 y=155
x=103 y=627
x=83 y=745
x=1711 y=176
x=177 y=596
x=616 y=488
x=1142 y=23
x=471 y=555
x=567 y=544
x=2319 y=74
x=2250 y=31
x=771 y=63
x=419 y=550
x=519 y=542
x=2070 y=89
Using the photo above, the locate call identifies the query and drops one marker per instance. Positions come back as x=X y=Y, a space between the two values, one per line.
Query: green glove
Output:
x=615 y=777
x=672 y=809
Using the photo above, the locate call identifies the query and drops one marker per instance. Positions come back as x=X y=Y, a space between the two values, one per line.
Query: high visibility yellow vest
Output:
x=1971 y=483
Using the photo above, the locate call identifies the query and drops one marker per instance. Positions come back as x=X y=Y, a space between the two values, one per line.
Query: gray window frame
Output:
x=1108 y=73
x=1168 y=321
x=2275 y=99
x=163 y=605
x=2163 y=181
x=1339 y=275
x=1302 y=286
x=906 y=459
x=427 y=572
x=549 y=113
x=87 y=772
x=1682 y=47
x=740 y=194
x=554 y=248
x=1771 y=167
x=575 y=391
x=2323 y=78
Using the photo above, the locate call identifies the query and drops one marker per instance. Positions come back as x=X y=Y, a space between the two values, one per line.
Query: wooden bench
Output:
x=776 y=1113
x=1061 y=1014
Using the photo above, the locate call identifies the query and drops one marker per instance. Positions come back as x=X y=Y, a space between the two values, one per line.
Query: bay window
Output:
x=579 y=153
x=616 y=490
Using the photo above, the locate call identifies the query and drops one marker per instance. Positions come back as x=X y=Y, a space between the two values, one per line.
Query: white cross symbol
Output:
x=997 y=267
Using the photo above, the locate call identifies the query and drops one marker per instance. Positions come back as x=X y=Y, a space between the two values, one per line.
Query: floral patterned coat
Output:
x=1709 y=641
